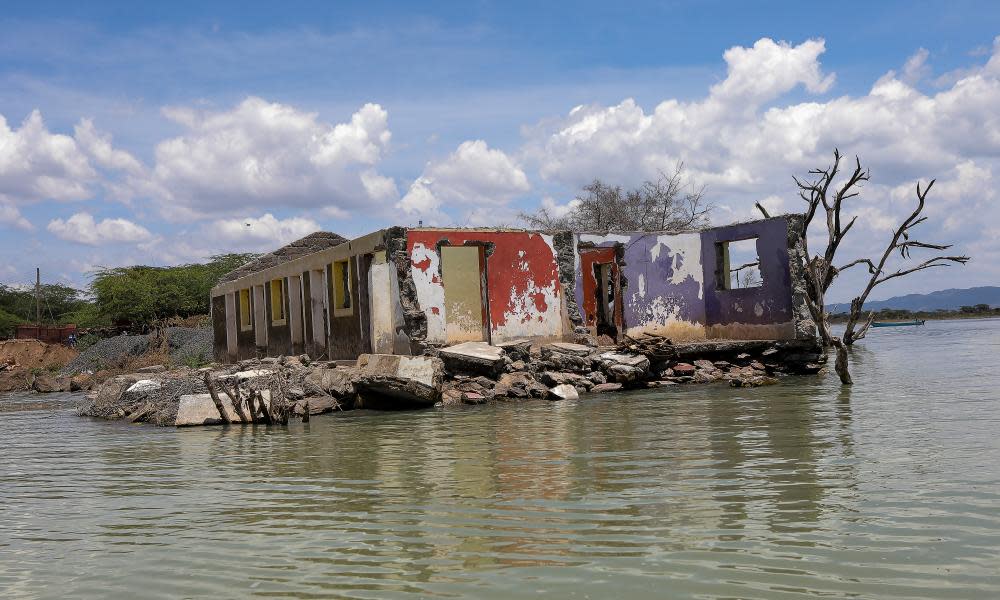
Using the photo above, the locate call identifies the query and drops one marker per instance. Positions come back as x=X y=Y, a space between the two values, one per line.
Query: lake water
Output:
x=890 y=489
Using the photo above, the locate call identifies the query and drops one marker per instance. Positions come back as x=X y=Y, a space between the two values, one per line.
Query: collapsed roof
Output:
x=314 y=242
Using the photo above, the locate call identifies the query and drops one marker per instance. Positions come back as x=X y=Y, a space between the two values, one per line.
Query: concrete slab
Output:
x=473 y=357
x=198 y=409
x=397 y=381
x=632 y=360
x=570 y=348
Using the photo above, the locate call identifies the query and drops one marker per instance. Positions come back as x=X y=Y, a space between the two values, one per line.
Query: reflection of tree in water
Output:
x=771 y=449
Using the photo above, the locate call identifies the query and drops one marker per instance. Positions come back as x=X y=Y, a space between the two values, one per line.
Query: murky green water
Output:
x=888 y=490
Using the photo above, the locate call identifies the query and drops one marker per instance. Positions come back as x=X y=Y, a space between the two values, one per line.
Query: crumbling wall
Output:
x=412 y=328
x=523 y=287
x=662 y=282
x=765 y=312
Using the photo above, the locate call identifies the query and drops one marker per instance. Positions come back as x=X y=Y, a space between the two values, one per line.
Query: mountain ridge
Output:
x=949 y=299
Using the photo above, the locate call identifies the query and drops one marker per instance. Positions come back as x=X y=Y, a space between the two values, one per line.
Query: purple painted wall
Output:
x=664 y=290
x=767 y=305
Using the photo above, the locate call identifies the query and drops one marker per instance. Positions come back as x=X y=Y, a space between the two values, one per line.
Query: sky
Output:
x=164 y=133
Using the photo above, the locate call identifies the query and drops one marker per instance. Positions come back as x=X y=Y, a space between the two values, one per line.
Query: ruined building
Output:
x=401 y=290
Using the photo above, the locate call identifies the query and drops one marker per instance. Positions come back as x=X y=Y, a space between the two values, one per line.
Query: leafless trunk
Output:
x=819 y=270
x=900 y=241
x=223 y=413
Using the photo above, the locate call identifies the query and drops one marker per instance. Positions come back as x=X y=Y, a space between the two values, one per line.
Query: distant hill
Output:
x=941 y=300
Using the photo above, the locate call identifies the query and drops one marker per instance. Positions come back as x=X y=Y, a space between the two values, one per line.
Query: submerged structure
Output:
x=404 y=290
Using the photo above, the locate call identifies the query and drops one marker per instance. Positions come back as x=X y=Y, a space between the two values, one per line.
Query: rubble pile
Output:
x=467 y=373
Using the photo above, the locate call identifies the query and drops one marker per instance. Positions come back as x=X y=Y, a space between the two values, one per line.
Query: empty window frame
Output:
x=738 y=265
x=278 y=302
x=246 y=311
x=341 y=284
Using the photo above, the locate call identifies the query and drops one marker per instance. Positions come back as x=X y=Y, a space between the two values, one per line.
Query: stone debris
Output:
x=397 y=381
x=564 y=392
x=473 y=357
x=469 y=373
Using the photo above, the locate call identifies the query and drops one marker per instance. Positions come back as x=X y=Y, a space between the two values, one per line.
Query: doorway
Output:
x=466 y=309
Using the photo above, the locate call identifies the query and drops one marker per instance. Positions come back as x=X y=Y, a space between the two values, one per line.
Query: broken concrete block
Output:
x=636 y=361
x=567 y=348
x=517 y=349
x=46 y=384
x=198 y=409
x=520 y=384
x=557 y=378
x=393 y=381
x=564 y=392
x=338 y=382
x=473 y=357
x=606 y=387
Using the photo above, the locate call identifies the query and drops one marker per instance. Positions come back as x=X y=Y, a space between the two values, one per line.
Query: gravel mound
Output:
x=107 y=353
x=186 y=344
x=189 y=344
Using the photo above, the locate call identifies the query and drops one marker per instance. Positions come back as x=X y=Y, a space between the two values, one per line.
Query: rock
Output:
x=152 y=369
x=566 y=357
x=556 y=378
x=518 y=365
x=473 y=398
x=656 y=384
x=305 y=360
x=757 y=365
x=683 y=369
x=597 y=377
x=46 y=384
x=566 y=348
x=585 y=339
x=705 y=376
x=752 y=381
x=742 y=356
x=317 y=405
x=517 y=349
x=338 y=382
x=624 y=368
x=296 y=393
x=198 y=409
x=704 y=364
x=520 y=384
x=269 y=360
x=395 y=381
x=606 y=387
x=81 y=382
x=769 y=352
x=722 y=365
x=473 y=357
x=564 y=392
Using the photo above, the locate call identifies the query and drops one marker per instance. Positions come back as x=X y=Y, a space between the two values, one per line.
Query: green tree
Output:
x=139 y=295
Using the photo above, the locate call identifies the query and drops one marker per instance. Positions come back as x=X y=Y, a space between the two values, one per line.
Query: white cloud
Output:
x=98 y=146
x=36 y=164
x=263 y=232
x=260 y=154
x=10 y=216
x=84 y=229
x=473 y=175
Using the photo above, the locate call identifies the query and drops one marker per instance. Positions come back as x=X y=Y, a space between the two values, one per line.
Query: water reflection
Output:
x=887 y=489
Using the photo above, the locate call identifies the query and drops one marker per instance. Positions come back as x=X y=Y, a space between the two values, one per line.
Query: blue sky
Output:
x=154 y=133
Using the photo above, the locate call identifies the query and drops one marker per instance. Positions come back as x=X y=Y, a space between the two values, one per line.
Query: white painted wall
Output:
x=259 y=318
x=295 y=319
x=232 y=324
x=381 y=305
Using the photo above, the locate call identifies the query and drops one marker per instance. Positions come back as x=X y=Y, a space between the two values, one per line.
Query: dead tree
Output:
x=902 y=243
x=820 y=271
x=669 y=203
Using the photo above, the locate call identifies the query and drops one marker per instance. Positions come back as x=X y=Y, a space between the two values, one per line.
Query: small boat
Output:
x=898 y=323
